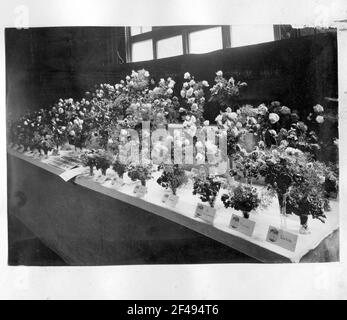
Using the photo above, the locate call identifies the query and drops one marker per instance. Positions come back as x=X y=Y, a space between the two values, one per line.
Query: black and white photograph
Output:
x=197 y=143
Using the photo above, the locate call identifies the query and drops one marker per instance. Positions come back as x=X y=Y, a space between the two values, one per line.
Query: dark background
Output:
x=45 y=64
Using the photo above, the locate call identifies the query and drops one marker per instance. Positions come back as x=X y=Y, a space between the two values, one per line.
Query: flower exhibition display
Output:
x=140 y=131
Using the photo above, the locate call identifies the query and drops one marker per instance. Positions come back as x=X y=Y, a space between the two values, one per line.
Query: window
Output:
x=146 y=43
x=169 y=47
x=205 y=40
x=244 y=35
x=142 y=50
x=138 y=30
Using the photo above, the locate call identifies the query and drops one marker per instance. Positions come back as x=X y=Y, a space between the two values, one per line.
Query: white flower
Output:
x=181 y=110
x=191 y=82
x=239 y=125
x=205 y=83
x=219 y=118
x=194 y=107
x=169 y=91
x=127 y=78
x=123 y=132
x=320 y=119
x=171 y=84
x=232 y=115
x=193 y=119
x=206 y=123
x=318 y=108
x=60 y=110
x=25 y=123
x=183 y=93
x=134 y=73
x=63 y=128
x=262 y=109
x=185 y=85
x=219 y=73
x=274 y=117
x=189 y=92
x=72 y=133
x=191 y=100
x=187 y=75
x=146 y=74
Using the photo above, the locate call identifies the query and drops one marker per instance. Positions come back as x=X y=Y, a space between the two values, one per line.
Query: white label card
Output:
x=69 y=174
x=281 y=238
x=242 y=225
x=170 y=199
x=205 y=213
x=140 y=190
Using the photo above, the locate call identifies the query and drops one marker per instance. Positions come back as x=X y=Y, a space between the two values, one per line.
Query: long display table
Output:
x=88 y=223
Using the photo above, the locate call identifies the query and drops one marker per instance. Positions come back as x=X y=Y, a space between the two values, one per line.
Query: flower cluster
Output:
x=242 y=198
x=207 y=187
x=172 y=177
x=225 y=91
x=141 y=172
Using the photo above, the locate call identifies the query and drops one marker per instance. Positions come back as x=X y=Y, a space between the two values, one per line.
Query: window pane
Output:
x=243 y=35
x=205 y=40
x=169 y=47
x=138 y=30
x=142 y=50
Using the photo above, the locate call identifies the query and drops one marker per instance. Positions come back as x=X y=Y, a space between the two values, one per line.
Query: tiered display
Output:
x=114 y=128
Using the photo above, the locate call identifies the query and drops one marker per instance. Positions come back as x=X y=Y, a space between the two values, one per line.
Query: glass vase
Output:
x=282 y=200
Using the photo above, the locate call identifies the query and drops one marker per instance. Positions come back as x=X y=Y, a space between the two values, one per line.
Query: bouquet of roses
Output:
x=242 y=198
x=225 y=92
x=207 y=187
x=103 y=161
x=172 y=177
x=141 y=172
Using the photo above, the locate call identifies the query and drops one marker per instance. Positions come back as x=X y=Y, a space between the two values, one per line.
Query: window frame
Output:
x=160 y=33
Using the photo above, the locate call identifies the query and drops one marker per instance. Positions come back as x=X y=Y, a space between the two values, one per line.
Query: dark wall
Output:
x=46 y=64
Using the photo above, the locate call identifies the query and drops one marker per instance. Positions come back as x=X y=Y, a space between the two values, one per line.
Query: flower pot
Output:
x=245 y=214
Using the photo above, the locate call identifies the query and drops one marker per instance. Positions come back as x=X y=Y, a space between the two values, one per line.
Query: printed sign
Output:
x=69 y=174
x=63 y=162
x=205 y=213
x=140 y=191
x=242 y=225
x=170 y=199
x=282 y=238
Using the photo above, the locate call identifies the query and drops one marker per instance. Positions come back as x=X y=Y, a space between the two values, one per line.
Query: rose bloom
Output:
x=171 y=84
x=169 y=91
x=60 y=110
x=262 y=109
x=185 y=85
x=219 y=118
x=205 y=83
x=318 y=108
x=146 y=74
x=72 y=133
x=320 y=119
x=181 y=110
x=183 y=93
x=285 y=110
x=219 y=73
x=238 y=125
x=187 y=75
x=232 y=115
x=206 y=123
x=274 y=117
x=189 y=92
x=194 y=107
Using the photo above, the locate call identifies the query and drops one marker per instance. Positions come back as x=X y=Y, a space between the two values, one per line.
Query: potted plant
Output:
x=207 y=187
x=242 y=198
x=173 y=177
x=119 y=167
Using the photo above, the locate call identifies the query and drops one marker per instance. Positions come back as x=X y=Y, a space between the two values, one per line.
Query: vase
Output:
x=91 y=171
x=304 y=226
x=245 y=214
x=282 y=200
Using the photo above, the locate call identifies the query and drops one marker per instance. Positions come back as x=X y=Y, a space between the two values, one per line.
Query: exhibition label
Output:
x=205 y=213
x=282 y=238
x=242 y=225
x=170 y=199
x=140 y=191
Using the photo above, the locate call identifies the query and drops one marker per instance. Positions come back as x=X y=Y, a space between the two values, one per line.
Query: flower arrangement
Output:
x=141 y=172
x=207 y=187
x=103 y=161
x=225 y=91
x=173 y=177
x=119 y=167
x=242 y=198
x=89 y=160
